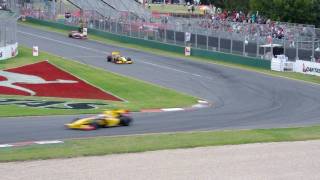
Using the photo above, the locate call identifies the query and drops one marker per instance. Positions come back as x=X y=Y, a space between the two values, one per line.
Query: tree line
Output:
x=294 y=11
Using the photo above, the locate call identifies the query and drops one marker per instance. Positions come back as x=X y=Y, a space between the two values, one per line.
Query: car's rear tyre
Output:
x=95 y=125
x=125 y=120
x=128 y=58
x=109 y=58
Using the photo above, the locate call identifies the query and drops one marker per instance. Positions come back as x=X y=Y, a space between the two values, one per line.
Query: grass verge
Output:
x=291 y=75
x=141 y=143
x=139 y=94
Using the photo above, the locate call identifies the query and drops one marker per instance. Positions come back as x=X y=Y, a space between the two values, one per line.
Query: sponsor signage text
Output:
x=307 y=67
x=48 y=104
x=8 y=51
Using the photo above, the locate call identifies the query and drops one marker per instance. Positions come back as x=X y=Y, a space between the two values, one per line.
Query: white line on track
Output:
x=62 y=42
x=88 y=57
x=105 y=52
x=177 y=70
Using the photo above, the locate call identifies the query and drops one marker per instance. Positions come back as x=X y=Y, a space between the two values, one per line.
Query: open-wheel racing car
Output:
x=110 y=118
x=80 y=34
x=116 y=58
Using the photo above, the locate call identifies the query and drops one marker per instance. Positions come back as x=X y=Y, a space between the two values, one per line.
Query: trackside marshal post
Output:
x=187 y=51
x=35 y=51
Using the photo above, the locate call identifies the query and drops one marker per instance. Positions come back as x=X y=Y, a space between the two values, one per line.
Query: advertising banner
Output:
x=307 y=67
x=8 y=51
x=187 y=37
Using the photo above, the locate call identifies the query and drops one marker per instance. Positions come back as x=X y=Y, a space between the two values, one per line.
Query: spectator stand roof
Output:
x=112 y=8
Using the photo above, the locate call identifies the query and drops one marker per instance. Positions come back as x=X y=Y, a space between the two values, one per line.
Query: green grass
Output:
x=139 y=94
x=141 y=143
x=292 y=75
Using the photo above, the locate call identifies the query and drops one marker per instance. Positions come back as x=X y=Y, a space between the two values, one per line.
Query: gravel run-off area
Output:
x=285 y=160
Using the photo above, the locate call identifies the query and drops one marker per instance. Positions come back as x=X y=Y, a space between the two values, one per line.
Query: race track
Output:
x=242 y=99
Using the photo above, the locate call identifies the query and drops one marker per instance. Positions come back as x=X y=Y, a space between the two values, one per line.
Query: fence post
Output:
x=117 y=26
x=207 y=43
x=130 y=30
x=244 y=47
x=174 y=37
x=0 y=34
x=231 y=43
x=284 y=46
x=165 y=34
x=258 y=48
x=196 y=40
x=139 y=32
x=313 y=38
x=219 y=41
x=297 y=50
x=5 y=35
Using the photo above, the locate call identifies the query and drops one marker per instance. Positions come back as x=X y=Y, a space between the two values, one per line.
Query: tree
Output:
x=295 y=11
x=229 y=4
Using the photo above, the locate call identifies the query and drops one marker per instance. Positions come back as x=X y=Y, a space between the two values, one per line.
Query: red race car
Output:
x=80 y=34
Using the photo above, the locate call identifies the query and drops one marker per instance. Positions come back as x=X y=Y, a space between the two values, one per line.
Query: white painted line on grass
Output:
x=202 y=101
x=48 y=142
x=199 y=106
x=5 y=145
x=172 y=109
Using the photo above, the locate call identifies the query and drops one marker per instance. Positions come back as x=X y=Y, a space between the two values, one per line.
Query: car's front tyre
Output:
x=125 y=120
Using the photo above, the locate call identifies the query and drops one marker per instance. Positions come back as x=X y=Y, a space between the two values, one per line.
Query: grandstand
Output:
x=111 y=8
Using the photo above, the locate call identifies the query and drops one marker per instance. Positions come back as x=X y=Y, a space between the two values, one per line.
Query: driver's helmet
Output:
x=112 y=113
x=106 y=112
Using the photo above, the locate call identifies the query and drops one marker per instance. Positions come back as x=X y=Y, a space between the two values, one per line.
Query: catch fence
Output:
x=8 y=28
x=296 y=41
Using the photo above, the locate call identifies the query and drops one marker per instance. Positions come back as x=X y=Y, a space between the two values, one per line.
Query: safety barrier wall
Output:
x=215 y=56
x=8 y=51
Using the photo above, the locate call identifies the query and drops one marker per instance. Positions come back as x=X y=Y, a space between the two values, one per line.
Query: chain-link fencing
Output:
x=8 y=28
x=127 y=17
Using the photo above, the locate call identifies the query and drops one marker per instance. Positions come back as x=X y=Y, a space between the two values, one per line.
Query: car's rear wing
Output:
x=115 y=53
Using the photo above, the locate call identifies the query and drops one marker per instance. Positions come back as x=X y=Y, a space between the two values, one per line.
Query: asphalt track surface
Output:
x=242 y=99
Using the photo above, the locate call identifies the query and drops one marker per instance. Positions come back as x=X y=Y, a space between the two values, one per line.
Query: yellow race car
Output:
x=109 y=118
x=116 y=58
